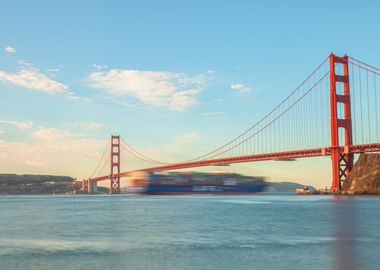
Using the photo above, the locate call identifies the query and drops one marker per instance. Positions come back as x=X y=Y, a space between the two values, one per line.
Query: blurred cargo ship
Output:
x=182 y=183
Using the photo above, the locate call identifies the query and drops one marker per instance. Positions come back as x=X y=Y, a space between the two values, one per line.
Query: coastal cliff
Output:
x=364 y=177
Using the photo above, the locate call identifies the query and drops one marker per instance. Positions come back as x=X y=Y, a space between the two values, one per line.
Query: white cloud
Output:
x=55 y=151
x=25 y=63
x=183 y=99
x=52 y=134
x=34 y=80
x=242 y=88
x=87 y=126
x=123 y=102
x=174 y=91
x=31 y=78
x=99 y=67
x=93 y=126
x=211 y=71
x=9 y=49
x=213 y=113
x=72 y=96
x=51 y=151
x=52 y=72
x=18 y=124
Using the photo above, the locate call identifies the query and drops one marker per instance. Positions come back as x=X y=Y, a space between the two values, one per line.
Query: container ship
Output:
x=182 y=183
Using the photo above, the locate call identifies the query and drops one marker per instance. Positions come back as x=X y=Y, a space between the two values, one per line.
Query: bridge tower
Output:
x=115 y=165
x=342 y=160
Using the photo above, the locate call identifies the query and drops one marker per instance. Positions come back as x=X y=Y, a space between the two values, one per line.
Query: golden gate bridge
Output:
x=333 y=112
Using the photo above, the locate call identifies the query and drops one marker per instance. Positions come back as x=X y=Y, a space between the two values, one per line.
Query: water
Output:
x=189 y=232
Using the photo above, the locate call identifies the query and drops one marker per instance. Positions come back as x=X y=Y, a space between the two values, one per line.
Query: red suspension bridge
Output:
x=333 y=112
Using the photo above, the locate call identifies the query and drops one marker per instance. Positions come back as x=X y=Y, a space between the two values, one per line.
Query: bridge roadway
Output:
x=316 y=152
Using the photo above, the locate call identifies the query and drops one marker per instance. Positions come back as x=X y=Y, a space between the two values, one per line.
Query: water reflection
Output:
x=344 y=233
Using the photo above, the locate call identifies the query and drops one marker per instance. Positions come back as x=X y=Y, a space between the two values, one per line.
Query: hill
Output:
x=285 y=187
x=364 y=177
x=35 y=184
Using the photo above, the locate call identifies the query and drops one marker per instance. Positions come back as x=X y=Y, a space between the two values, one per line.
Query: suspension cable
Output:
x=275 y=119
x=364 y=63
x=267 y=115
x=137 y=154
x=104 y=152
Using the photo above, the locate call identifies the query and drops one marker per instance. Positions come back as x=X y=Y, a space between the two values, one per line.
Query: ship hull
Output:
x=199 y=189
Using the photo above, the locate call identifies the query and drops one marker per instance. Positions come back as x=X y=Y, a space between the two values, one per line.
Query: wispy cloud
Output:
x=211 y=71
x=51 y=134
x=242 y=88
x=25 y=63
x=86 y=125
x=50 y=150
x=123 y=102
x=17 y=124
x=31 y=78
x=99 y=67
x=54 y=150
x=10 y=49
x=34 y=80
x=170 y=90
x=53 y=70
x=213 y=113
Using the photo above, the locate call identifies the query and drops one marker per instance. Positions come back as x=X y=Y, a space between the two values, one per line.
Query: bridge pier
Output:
x=92 y=187
x=84 y=185
x=88 y=186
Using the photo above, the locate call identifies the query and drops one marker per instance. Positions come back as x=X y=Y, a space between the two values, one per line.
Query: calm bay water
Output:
x=189 y=232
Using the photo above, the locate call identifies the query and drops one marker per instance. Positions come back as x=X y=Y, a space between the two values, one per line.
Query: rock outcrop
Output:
x=364 y=178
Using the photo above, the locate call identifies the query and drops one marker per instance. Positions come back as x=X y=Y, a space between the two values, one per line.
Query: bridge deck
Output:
x=316 y=152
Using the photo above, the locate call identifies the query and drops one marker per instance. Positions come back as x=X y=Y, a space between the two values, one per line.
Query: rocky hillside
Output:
x=365 y=176
x=35 y=184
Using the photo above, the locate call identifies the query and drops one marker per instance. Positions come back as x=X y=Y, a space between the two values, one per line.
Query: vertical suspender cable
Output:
x=361 y=105
x=376 y=122
x=369 y=114
x=353 y=103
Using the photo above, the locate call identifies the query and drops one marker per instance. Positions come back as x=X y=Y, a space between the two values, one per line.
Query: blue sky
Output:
x=181 y=76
